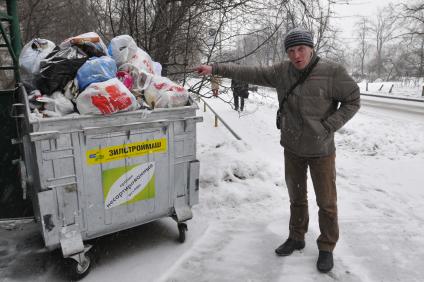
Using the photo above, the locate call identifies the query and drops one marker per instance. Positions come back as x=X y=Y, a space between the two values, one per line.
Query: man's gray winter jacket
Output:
x=316 y=108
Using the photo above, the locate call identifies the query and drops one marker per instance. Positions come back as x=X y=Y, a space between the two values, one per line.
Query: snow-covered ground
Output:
x=244 y=210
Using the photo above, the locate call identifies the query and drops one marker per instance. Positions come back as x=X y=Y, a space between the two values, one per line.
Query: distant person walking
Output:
x=316 y=97
x=240 y=92
x=215 y=82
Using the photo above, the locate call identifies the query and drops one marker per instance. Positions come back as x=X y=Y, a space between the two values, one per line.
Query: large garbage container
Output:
x=89 y=176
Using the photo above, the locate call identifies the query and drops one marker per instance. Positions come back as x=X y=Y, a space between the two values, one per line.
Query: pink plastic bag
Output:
x=125 y=78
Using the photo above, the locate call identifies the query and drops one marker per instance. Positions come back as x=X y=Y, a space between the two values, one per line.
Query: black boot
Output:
x=325 y=261
x=289 y=246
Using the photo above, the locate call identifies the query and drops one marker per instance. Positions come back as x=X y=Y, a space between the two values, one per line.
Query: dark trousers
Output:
x=236 y=102
x=323 y=174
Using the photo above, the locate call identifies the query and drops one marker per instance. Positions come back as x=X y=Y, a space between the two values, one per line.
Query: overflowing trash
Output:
x=83 y=76
x=29 y=61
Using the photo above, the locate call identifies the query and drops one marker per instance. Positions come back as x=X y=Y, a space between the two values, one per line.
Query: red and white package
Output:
x=142 y=61
x=164 y=93
x=107 y=97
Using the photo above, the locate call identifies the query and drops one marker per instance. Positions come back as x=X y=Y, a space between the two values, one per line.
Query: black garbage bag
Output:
x=59 y=67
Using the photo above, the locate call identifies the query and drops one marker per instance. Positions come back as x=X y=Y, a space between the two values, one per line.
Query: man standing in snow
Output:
x=240 y=92
x=317 y=97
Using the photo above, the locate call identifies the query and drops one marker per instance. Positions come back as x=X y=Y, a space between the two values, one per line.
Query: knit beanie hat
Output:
x=298 y=36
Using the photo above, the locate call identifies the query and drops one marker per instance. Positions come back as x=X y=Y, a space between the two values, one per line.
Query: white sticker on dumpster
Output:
x=127 y=185
x=119 y=152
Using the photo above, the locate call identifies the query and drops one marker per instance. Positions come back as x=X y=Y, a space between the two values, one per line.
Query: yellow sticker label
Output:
x=119 y=152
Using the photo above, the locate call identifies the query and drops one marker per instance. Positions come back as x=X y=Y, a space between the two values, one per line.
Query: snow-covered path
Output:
x=244 y=209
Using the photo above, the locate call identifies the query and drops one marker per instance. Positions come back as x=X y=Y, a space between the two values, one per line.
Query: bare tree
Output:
x=414 y=11
x=363 y=28
x=413 y=37
x=311 y=14
x=54 y=20
x=383 y=29
x=167 y=30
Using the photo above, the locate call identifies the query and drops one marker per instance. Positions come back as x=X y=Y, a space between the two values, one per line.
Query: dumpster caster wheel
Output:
x=78 y=270
x=182 y=228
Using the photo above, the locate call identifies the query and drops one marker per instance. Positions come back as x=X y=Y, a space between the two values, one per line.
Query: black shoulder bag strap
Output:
x=299 y=81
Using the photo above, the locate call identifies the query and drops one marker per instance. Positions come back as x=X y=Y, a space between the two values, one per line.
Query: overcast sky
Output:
x=348 y=14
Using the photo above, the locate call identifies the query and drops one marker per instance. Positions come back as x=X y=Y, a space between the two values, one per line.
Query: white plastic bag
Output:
x=141 y=79
x=106 y=97
x=122 y=48
x=158 y=68
x=56 y=104
x=164 y=93
x=142 y=61
x=29 y=60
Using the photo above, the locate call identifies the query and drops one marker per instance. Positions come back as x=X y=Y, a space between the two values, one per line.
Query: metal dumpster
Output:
x=89 y=176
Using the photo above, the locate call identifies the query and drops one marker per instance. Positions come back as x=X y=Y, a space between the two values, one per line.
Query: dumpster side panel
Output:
x=49 y=220
x=132 y=187
x=184 y=153
x=56 y=161
x=57 y=199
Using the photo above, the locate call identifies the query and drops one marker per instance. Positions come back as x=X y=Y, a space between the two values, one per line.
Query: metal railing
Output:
x=391 y=97
x=218 y=117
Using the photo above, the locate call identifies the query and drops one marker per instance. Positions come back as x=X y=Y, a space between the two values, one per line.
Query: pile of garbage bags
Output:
x=83 y=76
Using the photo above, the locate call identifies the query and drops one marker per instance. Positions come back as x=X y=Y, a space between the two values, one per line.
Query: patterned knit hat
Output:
x=298 y=36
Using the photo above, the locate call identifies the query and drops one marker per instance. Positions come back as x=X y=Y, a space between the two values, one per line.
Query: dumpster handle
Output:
x=13 y=111
x=123 y=127
x=44 y=135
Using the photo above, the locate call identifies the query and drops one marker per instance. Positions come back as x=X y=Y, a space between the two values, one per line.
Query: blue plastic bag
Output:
x=96 y=70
